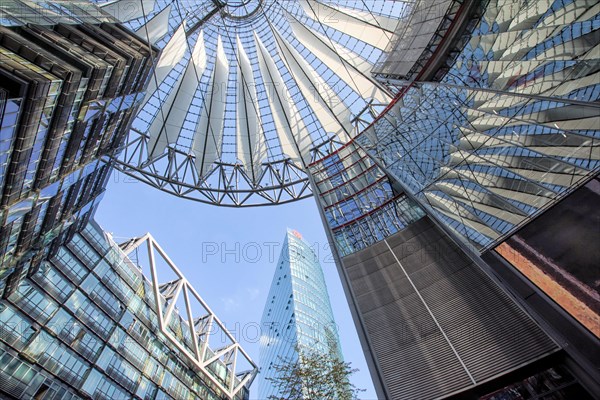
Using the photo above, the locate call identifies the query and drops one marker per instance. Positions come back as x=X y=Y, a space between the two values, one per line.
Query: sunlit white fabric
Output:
x=167 y=125
x=171 y=55
x=353 y=77
x=157 y=27
x=207 y=141
x=324 y=101
x=295 y=141
x=251 y=147
x=276 y=89
x=126 y=10
x=349 y=22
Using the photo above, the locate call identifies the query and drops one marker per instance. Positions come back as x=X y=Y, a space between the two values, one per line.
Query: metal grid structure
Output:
x=508 y=129
x=245 y=90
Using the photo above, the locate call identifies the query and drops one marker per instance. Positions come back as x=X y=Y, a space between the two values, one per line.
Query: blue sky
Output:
x=229 y=255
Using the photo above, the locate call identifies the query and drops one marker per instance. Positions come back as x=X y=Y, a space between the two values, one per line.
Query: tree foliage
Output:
x=313 y=375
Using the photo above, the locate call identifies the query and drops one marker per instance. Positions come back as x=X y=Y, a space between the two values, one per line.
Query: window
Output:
x=34 y=302
x=89 y=313
x=53 y=282
x=69 y=265
x=15 y=330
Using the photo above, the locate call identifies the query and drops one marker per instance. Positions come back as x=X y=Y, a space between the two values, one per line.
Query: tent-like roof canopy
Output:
x=247 y=92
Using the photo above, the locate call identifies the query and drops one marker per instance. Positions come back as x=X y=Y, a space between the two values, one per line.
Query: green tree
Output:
x=314 y=375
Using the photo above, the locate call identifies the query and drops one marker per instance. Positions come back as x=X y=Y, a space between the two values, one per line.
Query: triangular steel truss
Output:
x=200 y=328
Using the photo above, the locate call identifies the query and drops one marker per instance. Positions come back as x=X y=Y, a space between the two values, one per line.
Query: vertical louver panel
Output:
x=436 y=323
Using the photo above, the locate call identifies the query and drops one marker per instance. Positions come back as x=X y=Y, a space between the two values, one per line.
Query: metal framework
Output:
x=200 y=327
x=244 y=93
x=225 y=184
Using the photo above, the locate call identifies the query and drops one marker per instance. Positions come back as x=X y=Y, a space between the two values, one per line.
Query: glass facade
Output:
x=78 y=318
x=511 y=126
x=297 y=314
x=44 y=12
x=360 y=205
x=83 y=325
x=502 y=131
x=68 y=94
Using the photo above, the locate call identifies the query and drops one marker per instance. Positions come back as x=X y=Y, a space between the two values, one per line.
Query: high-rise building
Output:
x=69 y=92
x=297 y=315
x=488 y=159
x=87 y=323
x=451 y=146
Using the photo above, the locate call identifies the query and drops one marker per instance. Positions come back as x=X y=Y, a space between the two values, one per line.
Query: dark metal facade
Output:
x=436 y=323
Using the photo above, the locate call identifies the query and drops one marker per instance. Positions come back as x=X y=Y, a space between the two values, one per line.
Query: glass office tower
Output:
x=297 y=315
x=84 y=324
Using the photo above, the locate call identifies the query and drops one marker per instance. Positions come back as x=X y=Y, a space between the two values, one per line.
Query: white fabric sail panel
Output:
x=294 y=137
x=351 y=25
x=208 y=138
x=353 y=77
x=127 y=10
x=160 y=135
x=300 y=131
x=350 y=57
x=170 y=56
x=328 y=107
x=173 y=113
x=381 y=21
x=157 y=27
x=250 y=140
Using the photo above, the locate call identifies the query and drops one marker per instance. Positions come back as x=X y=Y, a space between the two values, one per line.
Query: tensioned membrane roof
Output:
x=246 y=92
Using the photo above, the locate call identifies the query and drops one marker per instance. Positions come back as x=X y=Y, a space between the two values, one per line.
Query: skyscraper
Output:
x=297 y=315
x=485 y=136
x=451 y=146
